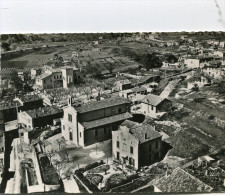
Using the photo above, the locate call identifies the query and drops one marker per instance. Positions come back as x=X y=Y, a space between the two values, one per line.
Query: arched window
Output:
x=71 y=134
x=119 y=110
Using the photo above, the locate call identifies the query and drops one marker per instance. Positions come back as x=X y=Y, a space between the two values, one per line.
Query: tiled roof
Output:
x=44 y=75
x=181 y=181
x=107 y=120
x=7 y=104
x=152 y=99
x=142 y=132
x=124 y=82
x=29 y=98
x=128 y=124
x=145 y=78
x=45 y=111
x=139 y=89
x=96 y=105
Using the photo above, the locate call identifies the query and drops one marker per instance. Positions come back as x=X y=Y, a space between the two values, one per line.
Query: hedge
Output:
x=86 y=182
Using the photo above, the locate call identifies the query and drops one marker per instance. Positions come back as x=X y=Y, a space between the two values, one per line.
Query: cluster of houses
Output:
x=133 y=144
x=54 y=78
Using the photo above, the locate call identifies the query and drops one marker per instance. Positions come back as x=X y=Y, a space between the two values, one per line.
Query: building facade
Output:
x=54 y=78
x=136 y=145
x=93 y=122
x=40 y=117
x=152 y=105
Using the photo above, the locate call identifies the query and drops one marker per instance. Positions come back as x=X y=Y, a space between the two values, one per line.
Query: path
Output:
x=70 y=186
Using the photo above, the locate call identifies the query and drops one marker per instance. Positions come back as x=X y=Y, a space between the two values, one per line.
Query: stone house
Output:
x=122 y=85
x=136 y=145
x=40 y=117
x=153 y=105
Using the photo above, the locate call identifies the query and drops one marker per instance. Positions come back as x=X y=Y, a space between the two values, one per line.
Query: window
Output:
x=104 y=130
x=124 y=147
x=118 y=155
x=80 y=134
x=63 y=127
x=119 y=110
x=117 y=144
x=131 y=150
x=70 y=117
x=150 y=158
x=156 y=145
x=71 y=135
x=152 y=107
x=131 y=161
x=96 y=132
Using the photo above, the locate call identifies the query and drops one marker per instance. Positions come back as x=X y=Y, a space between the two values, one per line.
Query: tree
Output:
x=195 y=87
x=60 y=141
x=94 y=69
x=87 y=91
x=58 y=167
x=171 y=58
x=50 y=154
x=56 y=56
x=110 y=67
x=17 y=82
x=5 y=46
x=74 y=158
x=151 y=61
x=66 y=152
x=100 y=88
x=221 y=86
x=45 y=143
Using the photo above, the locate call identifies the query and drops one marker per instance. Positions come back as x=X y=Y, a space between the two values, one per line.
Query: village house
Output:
x=122 y=85
x=153 y=105
x=55 y=78
x=170 y=65
x=33 y=121
x=129 y=92
x=35 y=72
x=220 y=53
x=213 y=71
x=9 y=108
x=197 y=81
x=93 y=122
x=222 y=44
x=40 y=117
x=180 y=181
x=199 y=61
x=136 y=145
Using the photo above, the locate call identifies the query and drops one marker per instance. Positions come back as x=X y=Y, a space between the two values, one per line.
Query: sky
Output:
x=70 y=16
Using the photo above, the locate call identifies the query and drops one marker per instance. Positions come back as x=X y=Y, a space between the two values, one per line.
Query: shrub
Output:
x=94 y=178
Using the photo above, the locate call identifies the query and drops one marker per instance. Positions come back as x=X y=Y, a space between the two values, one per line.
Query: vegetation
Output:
x=94 y=178
x=48 y=172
